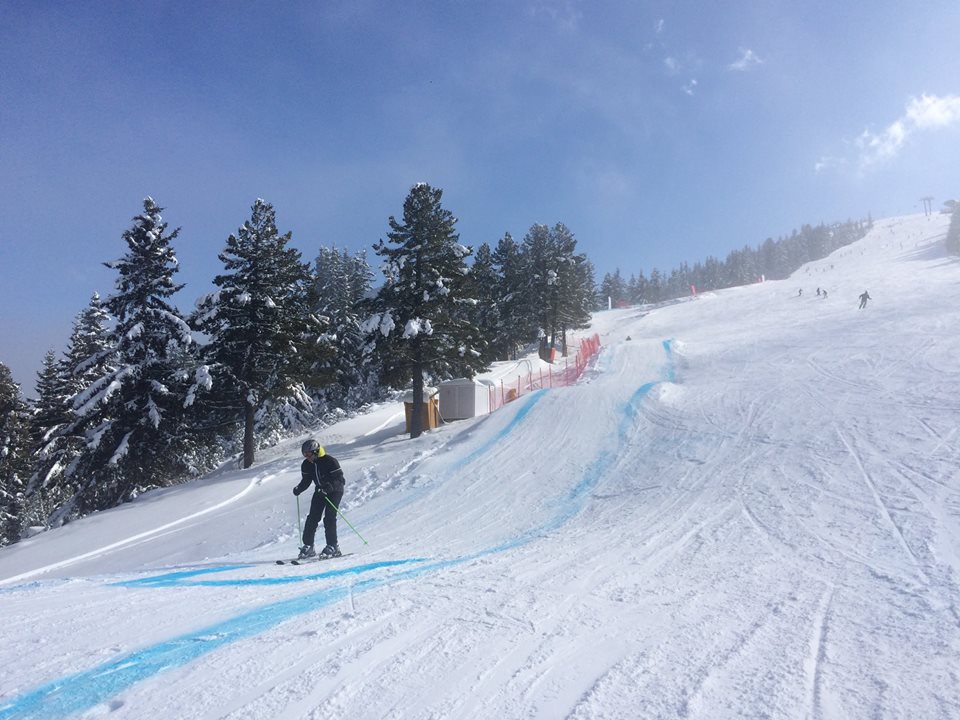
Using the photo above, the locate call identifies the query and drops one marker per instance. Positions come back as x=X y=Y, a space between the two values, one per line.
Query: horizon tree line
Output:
x=772 y=260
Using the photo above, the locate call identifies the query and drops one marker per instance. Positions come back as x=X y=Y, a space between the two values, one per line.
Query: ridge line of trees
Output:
x=772 y=260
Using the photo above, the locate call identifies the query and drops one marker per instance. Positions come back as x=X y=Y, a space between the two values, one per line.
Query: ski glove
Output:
x=295 y=492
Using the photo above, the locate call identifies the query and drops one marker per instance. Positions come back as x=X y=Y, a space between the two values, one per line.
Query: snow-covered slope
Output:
x=749 y=508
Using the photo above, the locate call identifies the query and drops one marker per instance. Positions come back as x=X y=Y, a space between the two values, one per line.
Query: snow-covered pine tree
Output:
x=655 y=286
x=539 y=277
x=574 y=287
x=341 y=282
x=579 y=296
x=614 y=288
x=133 y=417
x=419 y=324
x=89 y=350
x=712 y=274
x=52 y=413
x=555 y=284
x=258 y=324
x=680 y=281
x=54 y=481
x=486 y=314
x=14 y=456
x=519 y=320
x=636 y=290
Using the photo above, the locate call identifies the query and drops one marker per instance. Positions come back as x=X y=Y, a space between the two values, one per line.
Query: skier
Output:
x=324 y=472
x=863 y=299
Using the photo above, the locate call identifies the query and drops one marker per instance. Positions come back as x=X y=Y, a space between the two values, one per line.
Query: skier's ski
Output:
x=303 y=561
x=318 y=558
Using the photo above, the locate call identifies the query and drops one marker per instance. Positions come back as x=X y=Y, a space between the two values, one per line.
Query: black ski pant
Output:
x=320 y=508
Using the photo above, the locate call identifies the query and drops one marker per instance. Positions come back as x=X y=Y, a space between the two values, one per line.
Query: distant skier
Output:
x=863 y=299
x=824 y=294
x=324 y=472
x=818 y=292
x=800 y=294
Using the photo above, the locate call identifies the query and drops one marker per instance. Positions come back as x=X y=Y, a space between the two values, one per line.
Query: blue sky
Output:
x=658 y=132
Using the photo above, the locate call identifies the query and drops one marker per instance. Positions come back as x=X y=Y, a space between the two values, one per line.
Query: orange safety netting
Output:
x=568 y=371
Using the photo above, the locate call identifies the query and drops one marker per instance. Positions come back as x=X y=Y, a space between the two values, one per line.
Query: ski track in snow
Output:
x=132 y=540
x=85 y=690
x=763 y=524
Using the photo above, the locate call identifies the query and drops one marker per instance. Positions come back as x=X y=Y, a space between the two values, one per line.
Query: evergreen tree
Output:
x=742 y=267
x=575 y=287
x=637 y=289
x=55 y=482
x=52 y=414
x=340 y=284
x=89 y=351
x=540 y=276
x=767 y=259
x=14 y=457
x=554 y=286
x=614 y=290
x=420 y=326
x=258 y=324
x=518 y=322
x=485 y=288
x=133 y=416
x=712 y=274
x=52 y=407
x=655 y=286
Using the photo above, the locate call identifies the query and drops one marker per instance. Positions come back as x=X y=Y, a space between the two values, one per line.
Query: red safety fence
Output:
x=565 y=371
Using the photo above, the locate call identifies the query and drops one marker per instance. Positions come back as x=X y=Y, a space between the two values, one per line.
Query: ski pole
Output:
x=299 y=526
x=345 y=519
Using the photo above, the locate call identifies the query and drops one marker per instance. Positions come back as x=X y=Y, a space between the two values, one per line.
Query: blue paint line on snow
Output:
x=669 y=371
x=605 y=462
x=528 y=402
x=172 y=578
x=412 y=496
x=603 y=465
x=83 y=691
x=184 y=579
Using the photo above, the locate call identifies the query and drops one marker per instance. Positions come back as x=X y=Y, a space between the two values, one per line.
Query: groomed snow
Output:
x=751 y=508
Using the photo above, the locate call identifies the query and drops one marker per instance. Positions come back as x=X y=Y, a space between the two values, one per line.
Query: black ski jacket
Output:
x=324 y=473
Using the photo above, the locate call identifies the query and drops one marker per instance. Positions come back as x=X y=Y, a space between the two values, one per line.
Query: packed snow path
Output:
x=751 y=508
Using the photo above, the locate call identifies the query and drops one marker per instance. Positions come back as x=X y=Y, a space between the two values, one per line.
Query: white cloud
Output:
x=878 y=148
x=672 y=65
x=928 y=112
x=690 y=87
x=658 y=28
x=747 y=59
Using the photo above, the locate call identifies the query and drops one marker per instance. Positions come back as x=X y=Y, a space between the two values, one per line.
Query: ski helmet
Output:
x=311 y=446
